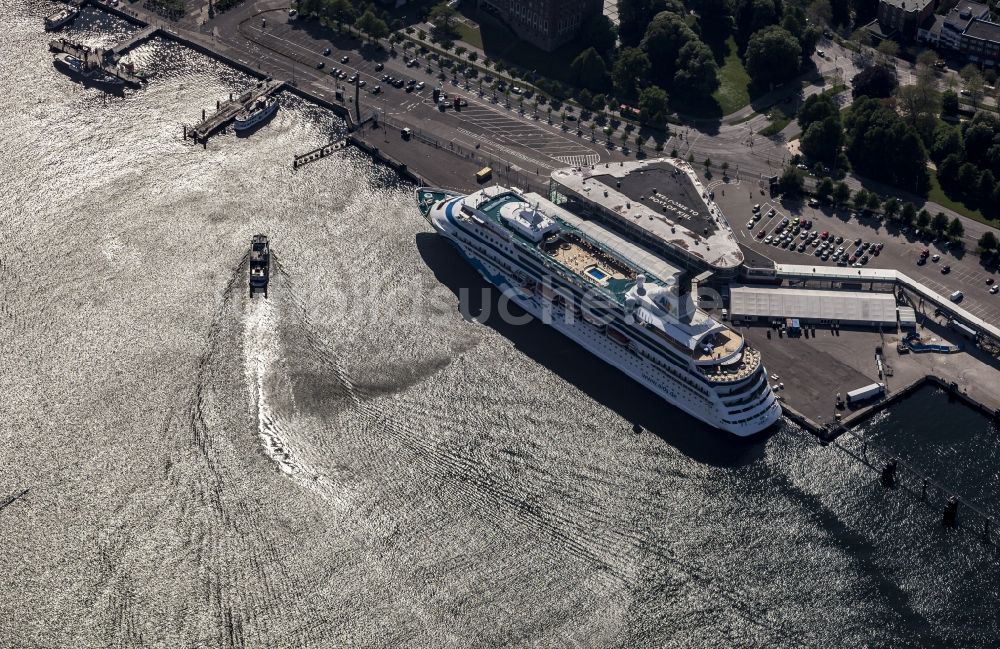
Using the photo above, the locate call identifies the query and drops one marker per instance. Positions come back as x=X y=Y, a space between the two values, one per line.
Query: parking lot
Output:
x=484 y=121
x=901 y=250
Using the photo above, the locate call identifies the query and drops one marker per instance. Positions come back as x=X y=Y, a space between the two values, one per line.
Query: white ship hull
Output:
x=642 y=370
x=247 y=121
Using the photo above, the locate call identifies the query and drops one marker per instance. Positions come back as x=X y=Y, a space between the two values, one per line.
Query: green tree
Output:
x=599 y=32
x=949 y=102
x=874 y=81
x=654 y=106
x=631 y=67
x=908 y=214
x=634 y=17
x=817 y=108
x=442 y=16
x=881 y=145
x=824 y=188
x=974 y=83
x=773 y=55
x=923 y=219
x=988 y=242
x=920 y=103
x=841 y=194
x=372 y=25
x=861 y=199
x=339 y=11
x=697 y=73
x=791 y=182
x=955 y=228
x=822 y=140
x=589 y=71
x=666 y=35
x=939 y=223
x=891 y=207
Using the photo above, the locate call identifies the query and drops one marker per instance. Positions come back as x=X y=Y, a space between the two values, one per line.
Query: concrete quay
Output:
x=815 y=368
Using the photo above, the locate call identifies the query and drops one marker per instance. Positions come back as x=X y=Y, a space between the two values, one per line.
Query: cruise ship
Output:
x=624 y=314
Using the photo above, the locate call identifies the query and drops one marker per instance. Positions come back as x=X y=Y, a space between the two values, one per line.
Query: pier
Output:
x=228 y=110
x=106 y=60
x=136 y=40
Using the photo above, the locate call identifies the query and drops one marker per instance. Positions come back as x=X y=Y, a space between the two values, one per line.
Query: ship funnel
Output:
x=640 y=284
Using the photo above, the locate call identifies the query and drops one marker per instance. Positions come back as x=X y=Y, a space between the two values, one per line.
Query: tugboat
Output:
x=260 y=264
x=61 y=18
x=259 y=112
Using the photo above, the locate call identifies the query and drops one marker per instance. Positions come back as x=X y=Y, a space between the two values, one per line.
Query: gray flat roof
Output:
x=877 y=274
x=638 y=255
x=836 y=273
x=664 y=197
x=984 y=29
x=844 y=306
x=909 y=5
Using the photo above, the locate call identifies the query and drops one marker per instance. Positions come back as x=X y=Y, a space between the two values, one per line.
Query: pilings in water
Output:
x=319 y=153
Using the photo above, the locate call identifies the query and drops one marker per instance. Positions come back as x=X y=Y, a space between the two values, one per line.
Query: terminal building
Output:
x=768 y=304
x=546 y=24
x=659 y=203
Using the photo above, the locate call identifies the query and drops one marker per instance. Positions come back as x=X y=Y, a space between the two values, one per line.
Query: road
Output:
x=261 y=35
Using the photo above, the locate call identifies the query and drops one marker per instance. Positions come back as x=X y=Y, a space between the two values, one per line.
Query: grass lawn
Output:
x=937 y=195
x=778 y=122
x=734 y=82
x=470 y=35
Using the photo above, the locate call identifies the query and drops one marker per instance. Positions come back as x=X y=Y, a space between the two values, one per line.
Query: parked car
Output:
x=345 y=59
x=379 y=67
x=935 y=258
x=994 y=289
x=760 y=235
x=945 y=270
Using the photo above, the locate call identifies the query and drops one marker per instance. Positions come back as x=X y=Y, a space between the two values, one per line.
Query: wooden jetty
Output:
x=227 y=110
x=102 y=58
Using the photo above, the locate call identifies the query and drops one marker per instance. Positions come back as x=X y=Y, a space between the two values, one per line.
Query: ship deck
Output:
x=726 y=342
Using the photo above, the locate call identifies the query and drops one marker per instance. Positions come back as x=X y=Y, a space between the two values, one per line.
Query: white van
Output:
x=957 y=296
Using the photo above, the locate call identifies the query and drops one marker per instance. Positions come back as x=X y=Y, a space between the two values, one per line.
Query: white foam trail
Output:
x=262 y=349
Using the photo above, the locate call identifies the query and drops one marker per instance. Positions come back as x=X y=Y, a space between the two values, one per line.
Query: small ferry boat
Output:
x=61 y=18
x=260 y=264
x=89 y=74
x=258 y=113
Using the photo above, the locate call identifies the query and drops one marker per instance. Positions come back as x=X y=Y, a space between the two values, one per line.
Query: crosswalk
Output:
x=579 y=160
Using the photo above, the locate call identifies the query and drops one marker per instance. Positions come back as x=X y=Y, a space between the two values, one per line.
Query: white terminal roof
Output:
x=845 y=306
x=836 y=273
x=654 y=264
x=673 y=221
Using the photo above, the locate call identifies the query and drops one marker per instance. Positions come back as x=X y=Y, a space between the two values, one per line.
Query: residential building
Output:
x=901 y=19
x=547 y=24
x=966 y=29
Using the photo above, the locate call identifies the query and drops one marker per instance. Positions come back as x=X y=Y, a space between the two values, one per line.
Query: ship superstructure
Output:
x=625 y=314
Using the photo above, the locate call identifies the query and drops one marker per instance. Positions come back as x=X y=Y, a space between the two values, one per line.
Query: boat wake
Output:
x=271 y=399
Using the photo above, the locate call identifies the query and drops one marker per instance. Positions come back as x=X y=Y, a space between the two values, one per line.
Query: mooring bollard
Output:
x=950 y=512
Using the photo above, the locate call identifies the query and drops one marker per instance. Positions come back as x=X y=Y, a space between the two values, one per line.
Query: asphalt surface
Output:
x=901 y=250
x=486 y=122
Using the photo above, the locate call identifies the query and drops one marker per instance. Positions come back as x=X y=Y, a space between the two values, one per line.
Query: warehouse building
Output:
x=769 y=304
